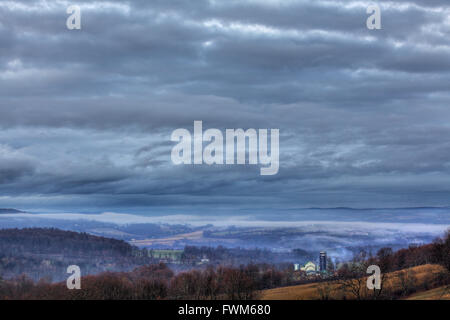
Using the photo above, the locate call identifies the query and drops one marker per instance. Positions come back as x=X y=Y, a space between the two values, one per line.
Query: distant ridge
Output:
x=372 y=209
x=6 y=211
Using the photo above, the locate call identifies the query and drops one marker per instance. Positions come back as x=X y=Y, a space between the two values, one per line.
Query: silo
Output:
x=323 y=261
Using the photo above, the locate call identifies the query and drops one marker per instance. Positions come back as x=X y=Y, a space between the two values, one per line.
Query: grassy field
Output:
x=169 y=241
x=422 y=275
x=441 y=293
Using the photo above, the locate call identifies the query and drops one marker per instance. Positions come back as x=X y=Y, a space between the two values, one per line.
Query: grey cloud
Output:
x=86 y=115
x=14 y=165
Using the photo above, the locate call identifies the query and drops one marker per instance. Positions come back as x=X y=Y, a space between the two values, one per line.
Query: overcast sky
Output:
x=86 y=115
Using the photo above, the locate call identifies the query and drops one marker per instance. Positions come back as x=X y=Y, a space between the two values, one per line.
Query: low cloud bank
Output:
x=340 y=227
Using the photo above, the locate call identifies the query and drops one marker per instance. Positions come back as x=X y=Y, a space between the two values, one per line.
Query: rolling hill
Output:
x=441 y=293
x=422 y=276
x=9 y=211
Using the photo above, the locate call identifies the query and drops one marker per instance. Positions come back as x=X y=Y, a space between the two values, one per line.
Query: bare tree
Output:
x=407 y=280
x=325 y=290
x=352 y=278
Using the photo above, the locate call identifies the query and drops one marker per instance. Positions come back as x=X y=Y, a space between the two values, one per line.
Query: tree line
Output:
x=154 y=282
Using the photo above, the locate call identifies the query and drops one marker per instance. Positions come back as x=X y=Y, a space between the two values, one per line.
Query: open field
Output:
x=422 y=275
x=169 y=241
x=192 y=238
x=441 y=293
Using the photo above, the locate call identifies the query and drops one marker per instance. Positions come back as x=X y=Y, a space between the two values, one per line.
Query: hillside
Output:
x=9 y=211
x=395 y=283
x=441 y=293
x=40 y=253
x=54 y=241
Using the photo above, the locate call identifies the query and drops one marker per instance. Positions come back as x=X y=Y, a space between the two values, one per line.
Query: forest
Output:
x=46 y=253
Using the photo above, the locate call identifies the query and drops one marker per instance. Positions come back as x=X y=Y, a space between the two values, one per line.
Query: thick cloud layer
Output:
x=86 y=115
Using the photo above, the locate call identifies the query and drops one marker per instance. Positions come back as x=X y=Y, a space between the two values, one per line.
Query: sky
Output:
x=86 y=115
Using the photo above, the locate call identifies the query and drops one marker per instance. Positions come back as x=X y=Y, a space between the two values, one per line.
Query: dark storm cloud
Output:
x=86 y=115
x=14 y=165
